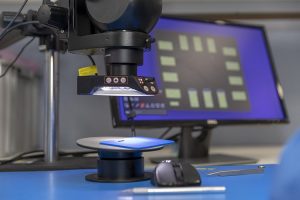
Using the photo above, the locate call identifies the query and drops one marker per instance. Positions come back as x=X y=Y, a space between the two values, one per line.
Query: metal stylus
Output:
x=258 y=170
x=175 y=190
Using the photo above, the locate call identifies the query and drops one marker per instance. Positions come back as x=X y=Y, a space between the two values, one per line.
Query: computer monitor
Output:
x=209 y=73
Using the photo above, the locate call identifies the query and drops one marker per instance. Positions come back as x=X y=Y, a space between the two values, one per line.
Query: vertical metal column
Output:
x=51 y=84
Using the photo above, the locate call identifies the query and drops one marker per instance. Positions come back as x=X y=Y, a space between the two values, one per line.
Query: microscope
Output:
x=117 y=29
x=120 y=31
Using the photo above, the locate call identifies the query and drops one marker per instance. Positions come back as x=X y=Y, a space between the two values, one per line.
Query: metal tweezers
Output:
x=258 y=170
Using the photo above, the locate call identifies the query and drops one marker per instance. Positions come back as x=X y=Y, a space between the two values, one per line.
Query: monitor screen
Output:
x=208 y=73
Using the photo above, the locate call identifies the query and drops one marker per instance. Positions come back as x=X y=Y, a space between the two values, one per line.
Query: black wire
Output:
x=27 y=23
x=131 y=117
x=17 y=26
x=165 y=132
x=26 y=155
x=16 y=58
x=174 y=137
x=15 y=17
x=76 y=153
x=92 y=60
x=19 y=157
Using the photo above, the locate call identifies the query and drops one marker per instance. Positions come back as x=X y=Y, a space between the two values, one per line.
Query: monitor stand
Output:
x=195 y=150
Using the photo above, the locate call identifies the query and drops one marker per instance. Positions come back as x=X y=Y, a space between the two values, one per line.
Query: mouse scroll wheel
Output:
x=179 y=172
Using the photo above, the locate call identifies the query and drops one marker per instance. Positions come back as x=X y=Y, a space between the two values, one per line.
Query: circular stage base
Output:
x=95 y=178
x=116 y=164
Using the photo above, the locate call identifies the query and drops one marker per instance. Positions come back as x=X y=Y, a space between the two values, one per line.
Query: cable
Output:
x=40 y=154
x=165 y=133
x=17 y=26
x=19 y=157
x=92 y=60
x=14 y=19
x=174 y=137
x=131 y=117
x=16 y=58
x=27 y=23
x=76 y=153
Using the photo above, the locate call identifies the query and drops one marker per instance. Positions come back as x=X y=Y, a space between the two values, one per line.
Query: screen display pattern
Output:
x=200 y=72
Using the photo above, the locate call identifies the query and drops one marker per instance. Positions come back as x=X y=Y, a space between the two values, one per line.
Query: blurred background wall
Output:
x=85 y=116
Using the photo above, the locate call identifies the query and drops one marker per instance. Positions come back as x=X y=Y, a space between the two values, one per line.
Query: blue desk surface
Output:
x=63 y=185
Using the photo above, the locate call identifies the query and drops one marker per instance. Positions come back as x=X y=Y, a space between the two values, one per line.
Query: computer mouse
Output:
x=173 y=174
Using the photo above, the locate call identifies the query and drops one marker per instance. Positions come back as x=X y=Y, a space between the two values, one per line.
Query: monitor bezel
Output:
x=117 y=122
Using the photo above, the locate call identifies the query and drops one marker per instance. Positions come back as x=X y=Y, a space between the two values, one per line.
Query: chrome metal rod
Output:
x=51 y=84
